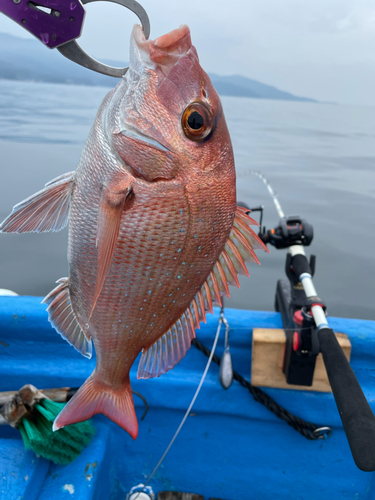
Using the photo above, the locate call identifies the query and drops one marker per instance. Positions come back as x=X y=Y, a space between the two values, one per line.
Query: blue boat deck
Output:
x=230 y=447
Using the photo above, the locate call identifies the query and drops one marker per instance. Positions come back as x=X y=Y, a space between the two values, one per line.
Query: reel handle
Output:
x=355 y=412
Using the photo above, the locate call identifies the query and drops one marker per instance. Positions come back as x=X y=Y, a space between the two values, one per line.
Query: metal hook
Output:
x=75 y=53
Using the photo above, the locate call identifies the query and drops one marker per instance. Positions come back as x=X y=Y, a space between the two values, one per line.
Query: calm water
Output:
x=319 y=158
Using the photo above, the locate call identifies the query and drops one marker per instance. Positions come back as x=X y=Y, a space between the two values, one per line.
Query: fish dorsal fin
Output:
x=62 y=318
x=46 y=210
x=169 y=349
x=172 y=346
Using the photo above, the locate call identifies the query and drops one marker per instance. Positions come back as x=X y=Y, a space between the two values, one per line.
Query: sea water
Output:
x=319 y=158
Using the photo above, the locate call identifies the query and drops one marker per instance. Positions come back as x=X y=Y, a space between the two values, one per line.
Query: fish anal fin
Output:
x=94 y=397
x=62 y=318
x=46 y=210
x=112 y=202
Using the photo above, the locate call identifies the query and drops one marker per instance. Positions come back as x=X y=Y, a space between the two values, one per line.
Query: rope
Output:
x=305 y=428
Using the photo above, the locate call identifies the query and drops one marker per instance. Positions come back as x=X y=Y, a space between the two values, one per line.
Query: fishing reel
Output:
x=302 y=344
x=291 y=230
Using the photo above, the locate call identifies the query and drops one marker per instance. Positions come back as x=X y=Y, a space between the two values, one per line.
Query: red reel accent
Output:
x=295 y=341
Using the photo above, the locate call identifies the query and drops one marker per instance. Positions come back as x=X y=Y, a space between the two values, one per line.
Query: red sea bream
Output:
x=155 y=236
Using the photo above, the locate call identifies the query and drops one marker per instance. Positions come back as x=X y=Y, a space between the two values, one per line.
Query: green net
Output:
x=62 y=446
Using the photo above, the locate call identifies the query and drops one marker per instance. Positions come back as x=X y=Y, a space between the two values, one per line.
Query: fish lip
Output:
x=132 y=132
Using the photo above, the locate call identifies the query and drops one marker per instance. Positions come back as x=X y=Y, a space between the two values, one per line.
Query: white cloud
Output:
x=318 y=48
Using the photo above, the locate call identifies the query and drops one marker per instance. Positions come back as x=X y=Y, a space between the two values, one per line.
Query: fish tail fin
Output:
x=95 y=397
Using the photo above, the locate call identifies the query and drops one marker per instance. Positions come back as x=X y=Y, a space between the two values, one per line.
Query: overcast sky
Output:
x=323 y=49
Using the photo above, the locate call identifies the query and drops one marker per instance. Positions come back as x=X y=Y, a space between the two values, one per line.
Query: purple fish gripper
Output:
x=53 y=22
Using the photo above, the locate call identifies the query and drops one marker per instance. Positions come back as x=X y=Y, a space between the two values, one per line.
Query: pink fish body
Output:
x=155 y=236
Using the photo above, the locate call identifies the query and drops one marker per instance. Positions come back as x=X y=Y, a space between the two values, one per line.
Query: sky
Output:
x=324 y=49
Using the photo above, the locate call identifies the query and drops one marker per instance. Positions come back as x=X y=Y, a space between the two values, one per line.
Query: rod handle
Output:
x=355 y=412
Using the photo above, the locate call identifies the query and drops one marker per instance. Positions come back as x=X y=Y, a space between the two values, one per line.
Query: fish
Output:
x=155 y=234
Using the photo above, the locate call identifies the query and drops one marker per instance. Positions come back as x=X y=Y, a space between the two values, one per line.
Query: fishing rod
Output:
x=308 y=333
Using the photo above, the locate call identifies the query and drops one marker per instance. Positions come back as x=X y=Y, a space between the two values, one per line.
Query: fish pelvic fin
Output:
x=111 y=206
x=47 y=210
x=173 y=345
x=64 y=321
x=95 y=397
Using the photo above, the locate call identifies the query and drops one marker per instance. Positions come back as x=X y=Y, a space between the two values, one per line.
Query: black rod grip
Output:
x=355 y=412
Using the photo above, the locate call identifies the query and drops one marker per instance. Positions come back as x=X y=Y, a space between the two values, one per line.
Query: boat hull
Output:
x=231 y=447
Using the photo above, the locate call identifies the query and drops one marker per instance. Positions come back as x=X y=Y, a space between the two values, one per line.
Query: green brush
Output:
x=62 y=446
x=32 y=413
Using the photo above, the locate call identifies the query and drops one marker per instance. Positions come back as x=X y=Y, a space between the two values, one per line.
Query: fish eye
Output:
x=197 y=122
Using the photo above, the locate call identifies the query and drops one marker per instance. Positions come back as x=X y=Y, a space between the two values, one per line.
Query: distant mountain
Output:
x=27 y=59
x=241 y=86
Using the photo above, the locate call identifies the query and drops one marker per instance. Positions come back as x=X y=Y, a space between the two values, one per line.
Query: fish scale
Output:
x=155 y=236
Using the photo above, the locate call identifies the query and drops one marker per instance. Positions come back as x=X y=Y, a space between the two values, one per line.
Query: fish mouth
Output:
x=163 y=52
x=134 y=133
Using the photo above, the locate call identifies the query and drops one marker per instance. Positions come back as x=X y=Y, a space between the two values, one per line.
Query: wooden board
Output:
x=268 y=356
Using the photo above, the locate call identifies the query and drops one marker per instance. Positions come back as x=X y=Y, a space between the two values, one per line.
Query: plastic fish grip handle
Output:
x=58 y=23
x=355 y=412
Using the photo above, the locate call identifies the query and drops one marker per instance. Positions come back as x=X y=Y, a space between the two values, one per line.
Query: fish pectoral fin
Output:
x=46 y=210
x=112 y=203
x=62 y=318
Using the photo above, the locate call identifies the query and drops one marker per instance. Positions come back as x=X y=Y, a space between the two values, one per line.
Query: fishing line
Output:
x=271 y=191
x=221 y=321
